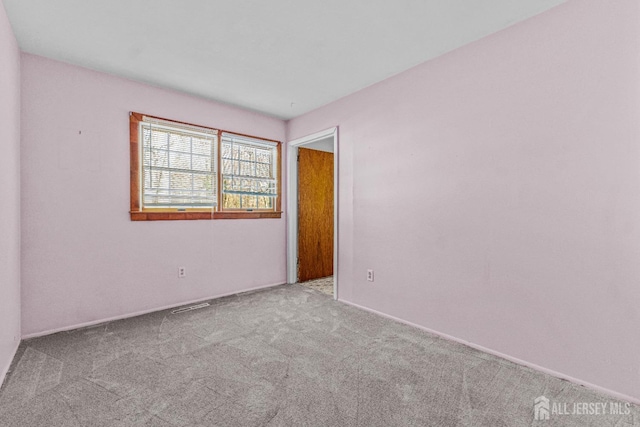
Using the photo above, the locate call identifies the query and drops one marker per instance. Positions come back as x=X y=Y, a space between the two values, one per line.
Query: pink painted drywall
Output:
x=9 y=193
x=495 y=191
x=83 y=259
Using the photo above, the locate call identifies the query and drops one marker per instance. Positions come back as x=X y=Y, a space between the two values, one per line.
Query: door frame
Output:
x=292 y=203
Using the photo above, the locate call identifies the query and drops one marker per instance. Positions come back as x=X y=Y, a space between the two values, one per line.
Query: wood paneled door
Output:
x=315 y=214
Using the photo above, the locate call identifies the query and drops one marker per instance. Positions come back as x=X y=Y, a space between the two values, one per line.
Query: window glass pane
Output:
x=159 y=140
x=226 y=151
x=202 y=146
x=156 y=158
x=265 y=202
x=231 y=201
x=247 y=153
x=249 y=202
x=159 y=179
x=180 y=180
x=263 y=171
x=179 y=143
x=227 y=166
x=263 y=156
x=180 y=160
x=202 y=182
x=201 y=163
x=246 y=168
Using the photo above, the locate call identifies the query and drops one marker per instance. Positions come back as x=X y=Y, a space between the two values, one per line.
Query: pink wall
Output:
x=495 y=191
x=9 y=193
x=82 y=258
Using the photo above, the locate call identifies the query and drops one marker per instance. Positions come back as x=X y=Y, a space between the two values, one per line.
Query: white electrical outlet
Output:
x=182 y=272
x=370 y=275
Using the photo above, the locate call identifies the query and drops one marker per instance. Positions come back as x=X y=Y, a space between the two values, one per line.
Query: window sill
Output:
x=176 y=216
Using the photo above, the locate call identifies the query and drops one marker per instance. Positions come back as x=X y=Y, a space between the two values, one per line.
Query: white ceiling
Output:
x=279 y=57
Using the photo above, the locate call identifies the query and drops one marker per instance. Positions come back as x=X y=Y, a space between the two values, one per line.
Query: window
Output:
x=175 y=172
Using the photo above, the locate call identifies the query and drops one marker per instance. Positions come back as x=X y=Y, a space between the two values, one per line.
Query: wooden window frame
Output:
x=138 y=213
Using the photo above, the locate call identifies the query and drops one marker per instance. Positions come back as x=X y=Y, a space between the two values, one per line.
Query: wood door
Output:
x=315 y=214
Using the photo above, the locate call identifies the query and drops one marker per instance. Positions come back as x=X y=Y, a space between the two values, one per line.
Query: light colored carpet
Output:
x=286 y=356
x=324 y=285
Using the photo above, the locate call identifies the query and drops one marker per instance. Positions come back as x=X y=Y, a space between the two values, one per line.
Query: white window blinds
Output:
x=248 y=172
x=179 y=165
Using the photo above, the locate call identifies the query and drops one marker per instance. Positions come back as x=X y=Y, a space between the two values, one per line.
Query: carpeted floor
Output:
x=324 y=285
x=286 y=356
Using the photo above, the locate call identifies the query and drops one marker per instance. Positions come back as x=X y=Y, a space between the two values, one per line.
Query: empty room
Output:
x=319 y=213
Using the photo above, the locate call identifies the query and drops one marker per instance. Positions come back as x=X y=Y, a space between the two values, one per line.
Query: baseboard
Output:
x=5 y=369
x=139 y=313
x=599 y=389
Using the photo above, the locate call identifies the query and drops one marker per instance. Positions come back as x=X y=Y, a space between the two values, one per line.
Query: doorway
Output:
x=312 y=243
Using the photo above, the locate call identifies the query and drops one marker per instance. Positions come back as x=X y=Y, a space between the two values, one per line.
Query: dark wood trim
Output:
x=173 y=121
x=278 y=206
x=134 y=156
x=206 y=127
x=181 y=216
x=168 y=216
x=219 y=171
x=246 y=215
